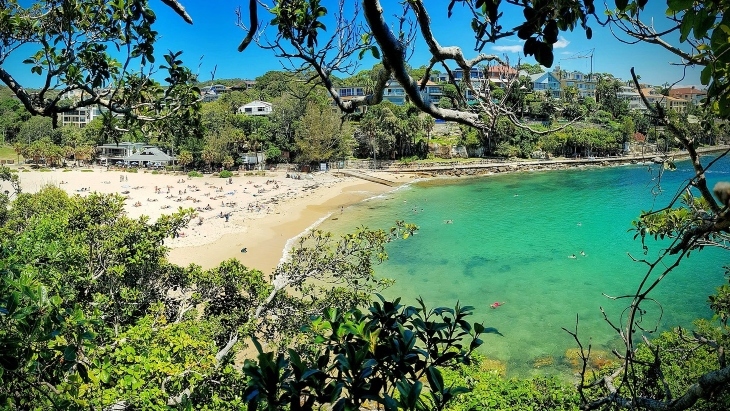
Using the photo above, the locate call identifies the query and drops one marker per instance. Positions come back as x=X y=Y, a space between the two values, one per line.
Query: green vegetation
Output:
x=7 y=153
x=225 y=174
x=192 y=174
x=92 y=316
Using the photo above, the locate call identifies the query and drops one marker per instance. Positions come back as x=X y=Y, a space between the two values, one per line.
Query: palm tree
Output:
x=84 y=153
x=184 y=158
x=208 y=156
x=21 y=150
x=228 y=161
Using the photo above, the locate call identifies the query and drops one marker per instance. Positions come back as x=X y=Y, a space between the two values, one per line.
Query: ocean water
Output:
x=510 y=241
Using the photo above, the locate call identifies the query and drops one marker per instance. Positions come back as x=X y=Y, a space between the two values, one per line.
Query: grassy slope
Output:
x=7 y=153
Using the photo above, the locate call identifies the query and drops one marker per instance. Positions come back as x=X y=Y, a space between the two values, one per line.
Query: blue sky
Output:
x=212 y=40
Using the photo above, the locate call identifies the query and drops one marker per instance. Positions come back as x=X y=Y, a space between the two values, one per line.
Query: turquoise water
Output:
x=510 y=240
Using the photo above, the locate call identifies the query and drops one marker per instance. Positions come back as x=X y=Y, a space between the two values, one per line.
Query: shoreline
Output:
x=267 y=240
x=259 y=212
x=266 y=214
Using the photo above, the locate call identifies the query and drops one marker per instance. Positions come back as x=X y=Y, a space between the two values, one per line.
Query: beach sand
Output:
x=264 y=212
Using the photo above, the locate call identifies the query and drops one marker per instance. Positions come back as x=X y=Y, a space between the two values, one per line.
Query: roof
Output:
x=502 y=69
x=686 y=90
x=149 y=154
x=535 y=77
x=257 y=103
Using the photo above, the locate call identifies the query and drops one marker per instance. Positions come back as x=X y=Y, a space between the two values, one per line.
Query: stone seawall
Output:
x=459 y=169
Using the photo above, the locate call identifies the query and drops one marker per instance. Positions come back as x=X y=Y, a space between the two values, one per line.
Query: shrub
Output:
x=132 y=170
x=87 y=170
x=225 y=174
x=194 y=173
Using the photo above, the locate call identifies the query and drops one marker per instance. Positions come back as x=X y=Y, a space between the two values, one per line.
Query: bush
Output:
x=155 y=172
x=87 y=170
x=194 y=173
x=173 y=168
x=132 y=170
x=225 y=174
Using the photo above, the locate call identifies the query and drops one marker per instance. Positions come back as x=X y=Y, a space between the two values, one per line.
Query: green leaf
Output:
x=376 y=52
x=706 y=75
x=686 y=26
x=69 y=353
x=679 y=5
x=104 y=376
x=435 y=379
x=621 y=4
x=703 y=22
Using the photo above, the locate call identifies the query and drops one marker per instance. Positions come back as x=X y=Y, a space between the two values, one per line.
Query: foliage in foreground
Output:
x=356 y=358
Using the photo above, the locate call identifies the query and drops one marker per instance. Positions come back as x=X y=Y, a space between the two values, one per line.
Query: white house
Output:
x=256 y=108
x=132 y=153
x=80 y=117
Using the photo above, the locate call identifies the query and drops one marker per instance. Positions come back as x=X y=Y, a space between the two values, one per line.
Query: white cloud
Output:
x=508 y=49
x=561 y=44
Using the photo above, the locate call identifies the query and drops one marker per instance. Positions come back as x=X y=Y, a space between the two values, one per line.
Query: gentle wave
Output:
x=290 y=242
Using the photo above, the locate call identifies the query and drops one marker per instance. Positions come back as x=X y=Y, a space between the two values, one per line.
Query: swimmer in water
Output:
x=496 y=304
x=572 y=256
x=583 y=253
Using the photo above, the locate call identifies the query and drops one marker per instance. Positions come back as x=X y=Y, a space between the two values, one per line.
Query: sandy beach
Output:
x=259 y=213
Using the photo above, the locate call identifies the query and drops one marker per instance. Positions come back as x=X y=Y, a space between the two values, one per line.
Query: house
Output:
x=256 y=108
x=546 y=82
x=348 y=92
x=688 y=93
x=149 y=156
x=138 y=154
x=80 y=117
x=113 y=153
x=499 y=74
x=211 y=93
x=677 y=104
x=395 y=93
x=630 y=95
x=584 y=83
x=432 y=93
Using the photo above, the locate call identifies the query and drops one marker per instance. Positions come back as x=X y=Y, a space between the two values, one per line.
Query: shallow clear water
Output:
x=510 y=240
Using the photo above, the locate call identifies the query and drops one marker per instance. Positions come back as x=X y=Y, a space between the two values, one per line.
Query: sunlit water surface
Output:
x=510 y=241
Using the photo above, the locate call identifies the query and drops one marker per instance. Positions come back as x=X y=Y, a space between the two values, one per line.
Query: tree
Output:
x=36 y=128
x=383 y=356
x=530 y=68
x=322 y=136
x=539 y=31
x=70 y=46
x=607 y=97
x=184 y=158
